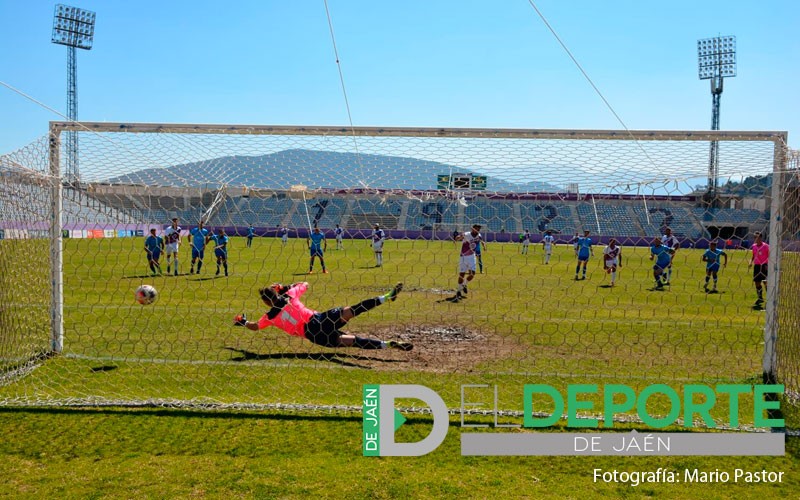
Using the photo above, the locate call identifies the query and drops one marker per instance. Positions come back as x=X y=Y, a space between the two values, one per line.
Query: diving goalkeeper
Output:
x=322 y=328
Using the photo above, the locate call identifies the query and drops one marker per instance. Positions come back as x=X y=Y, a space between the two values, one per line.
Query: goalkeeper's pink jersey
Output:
x=760 y=254
x=293 y=316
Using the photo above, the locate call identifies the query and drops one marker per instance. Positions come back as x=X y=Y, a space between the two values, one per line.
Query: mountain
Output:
x=315 y=169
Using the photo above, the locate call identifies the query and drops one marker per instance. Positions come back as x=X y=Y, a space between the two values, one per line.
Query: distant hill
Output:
x=314 y=169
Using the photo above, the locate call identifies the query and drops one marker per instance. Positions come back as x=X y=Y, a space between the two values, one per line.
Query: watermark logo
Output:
x=381 y=419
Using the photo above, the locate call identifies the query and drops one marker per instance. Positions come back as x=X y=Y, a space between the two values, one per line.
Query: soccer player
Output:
x=480 y=246
x=284 y=233
x=466 y=262
x=339 y=232
x=251 y=232
x=316 y=244
x=154 y=245
x=322 y=328
x=663 y=257
x=525 y=239
x=583 y=252
x=711 y=257
x=759 y=261
x=220 y=249
x=612 y=259
x=378 y=237
x=671 y=241
x=548 y=242
x=172 y=240
x=198 y=236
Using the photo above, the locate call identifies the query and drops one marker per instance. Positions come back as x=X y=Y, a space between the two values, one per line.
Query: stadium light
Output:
x=74 y=28
x=716 y=59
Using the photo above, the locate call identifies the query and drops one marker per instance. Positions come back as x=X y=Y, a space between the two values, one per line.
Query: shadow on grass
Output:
x=330 y=357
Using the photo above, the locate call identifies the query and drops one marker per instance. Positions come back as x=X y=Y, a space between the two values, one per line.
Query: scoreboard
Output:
x=461 y=182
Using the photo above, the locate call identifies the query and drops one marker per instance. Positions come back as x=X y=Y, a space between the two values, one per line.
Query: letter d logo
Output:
x=381 y=419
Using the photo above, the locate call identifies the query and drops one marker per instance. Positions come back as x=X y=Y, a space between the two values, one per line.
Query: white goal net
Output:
x=72 y=333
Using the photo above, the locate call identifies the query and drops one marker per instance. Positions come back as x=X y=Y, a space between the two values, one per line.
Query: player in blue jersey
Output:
x=251 y=232
x=317 y=244
x=339 y=233
x=712 y=258
x=220 y=249
x=583 y=250
x=198 y=237
x=663 y=258
x=154 y=245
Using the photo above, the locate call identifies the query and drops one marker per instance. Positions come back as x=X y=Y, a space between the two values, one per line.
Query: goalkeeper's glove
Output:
x=240 y=320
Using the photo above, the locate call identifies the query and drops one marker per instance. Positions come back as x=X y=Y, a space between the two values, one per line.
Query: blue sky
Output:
x=415 y=63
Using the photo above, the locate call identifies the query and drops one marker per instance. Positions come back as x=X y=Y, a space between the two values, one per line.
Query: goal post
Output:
x=532 y=314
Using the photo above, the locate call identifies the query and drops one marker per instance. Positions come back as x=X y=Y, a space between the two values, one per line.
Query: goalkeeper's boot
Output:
x=394 y=293
x=396 y=344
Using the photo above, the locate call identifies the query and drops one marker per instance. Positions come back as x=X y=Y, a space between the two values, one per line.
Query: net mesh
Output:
x=531 y=314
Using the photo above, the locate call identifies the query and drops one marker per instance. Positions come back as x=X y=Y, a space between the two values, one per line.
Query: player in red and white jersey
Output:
x=612 y=259
x=172 y=239
x=466 y=262
x=378 y=237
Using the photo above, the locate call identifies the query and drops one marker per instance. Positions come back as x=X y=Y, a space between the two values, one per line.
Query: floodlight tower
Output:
x=74 y=28
x=716 y=59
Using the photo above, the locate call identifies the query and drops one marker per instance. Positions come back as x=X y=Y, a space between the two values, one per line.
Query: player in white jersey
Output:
x=670 y=241
x=172 y=239
x=284 y=233
x=466 y=262
x=525 y=239
x=612 y=259
x=378 y=237
x=339 y=233
x=548 y=242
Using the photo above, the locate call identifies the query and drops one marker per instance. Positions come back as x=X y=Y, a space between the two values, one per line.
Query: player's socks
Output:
x=366 y=305
x=167 y=268
x=199 y=265
x=613 y=277
x=225 y=265
x=365 y=343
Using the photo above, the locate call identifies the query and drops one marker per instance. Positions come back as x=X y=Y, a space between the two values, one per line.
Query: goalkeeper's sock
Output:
x=366 y=305
x=365 y=343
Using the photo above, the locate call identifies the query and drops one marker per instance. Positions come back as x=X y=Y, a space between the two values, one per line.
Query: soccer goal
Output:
x=74 y=251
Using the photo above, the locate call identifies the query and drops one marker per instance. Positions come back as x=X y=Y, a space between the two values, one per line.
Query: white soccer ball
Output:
x=146 y=294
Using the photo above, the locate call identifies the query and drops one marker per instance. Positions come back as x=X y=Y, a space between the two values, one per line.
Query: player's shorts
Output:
x=339 y=237
x=377 y=247
x=221 y=253
x=316 y=252
x=660 y=267
x=548 y=250
x=611 y=263
x=583 y=257
x=198 y=253
x=323 y=328
x=466 y=264
x=760 y=272
x=285 y=238
x=713 y=268
x=154 y=255
x=171 y=248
